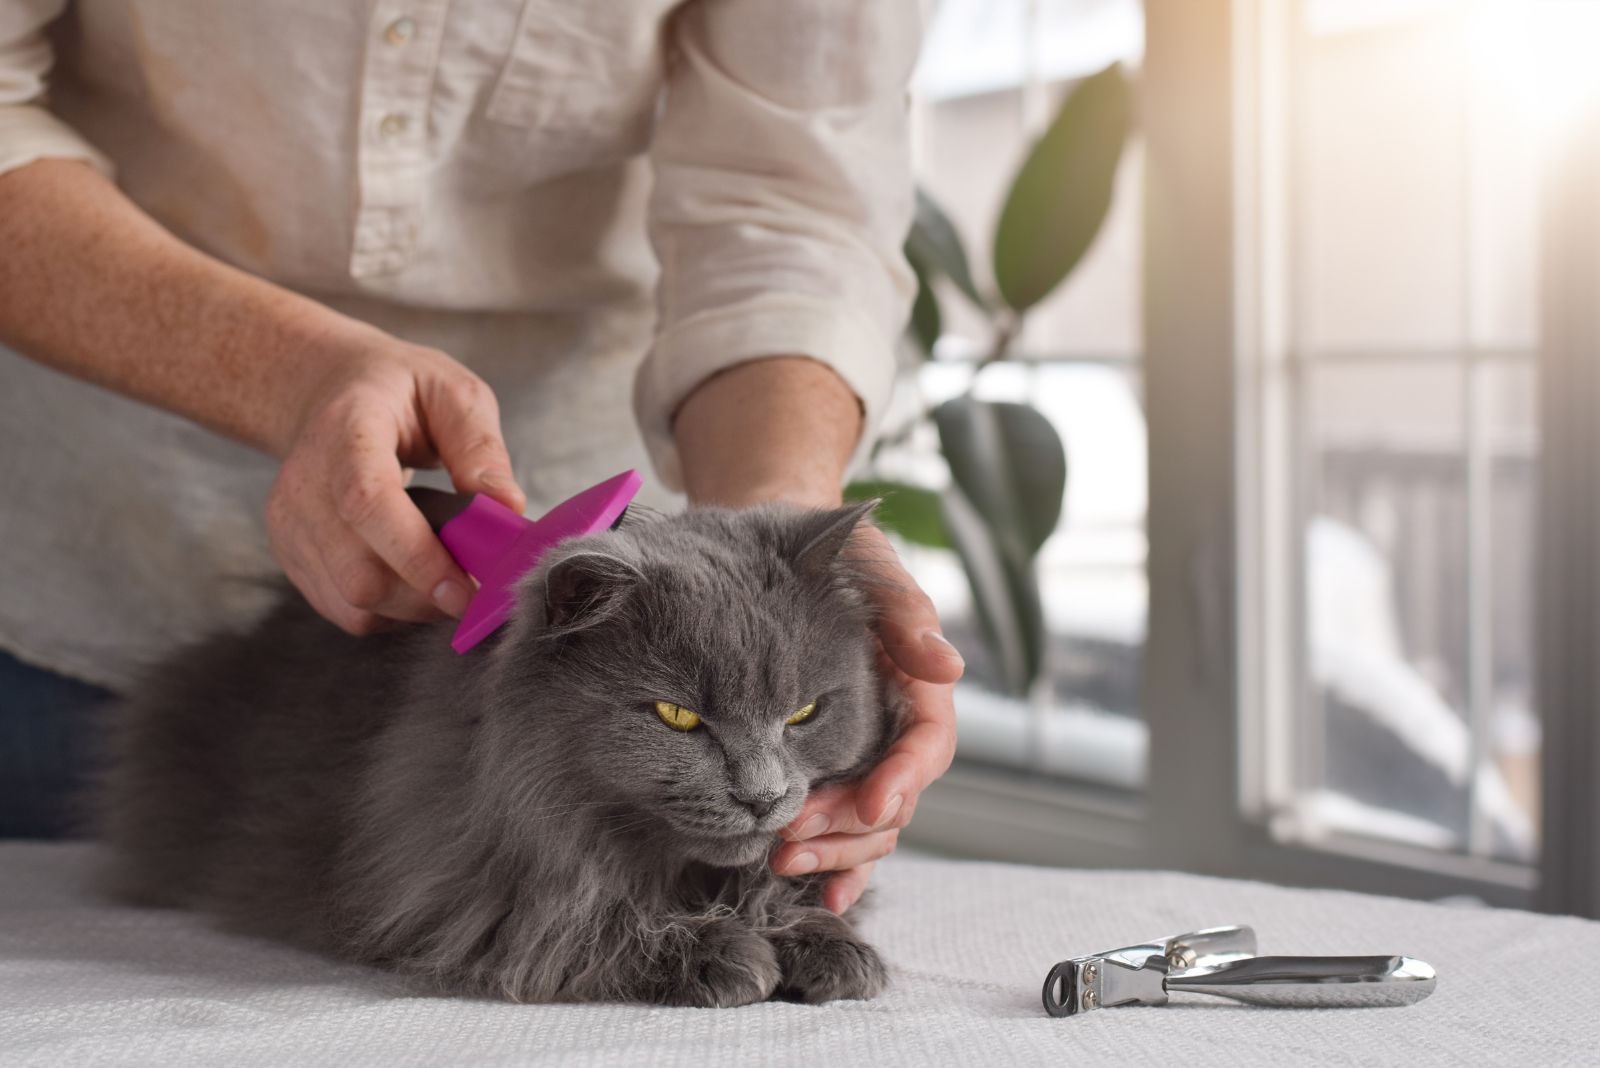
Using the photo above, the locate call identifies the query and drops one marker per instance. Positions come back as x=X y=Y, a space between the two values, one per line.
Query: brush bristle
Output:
x=636 y=514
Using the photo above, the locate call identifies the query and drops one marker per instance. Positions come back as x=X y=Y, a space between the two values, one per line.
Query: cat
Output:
x=580 y=809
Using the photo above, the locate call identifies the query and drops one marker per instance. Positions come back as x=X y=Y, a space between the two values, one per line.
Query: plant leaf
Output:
x=927 y=321
x=1010 y=463
x=1005 y=594
x=1010 y=475
x=934 y=247
x=909 y=511
x=1062 y=193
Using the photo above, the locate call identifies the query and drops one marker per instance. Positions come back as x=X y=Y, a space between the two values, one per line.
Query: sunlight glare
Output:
x=1541 y=53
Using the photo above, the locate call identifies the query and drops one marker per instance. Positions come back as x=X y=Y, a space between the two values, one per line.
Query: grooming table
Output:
x=84 y=982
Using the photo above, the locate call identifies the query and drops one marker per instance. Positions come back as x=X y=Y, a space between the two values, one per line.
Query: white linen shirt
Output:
x=510 y=180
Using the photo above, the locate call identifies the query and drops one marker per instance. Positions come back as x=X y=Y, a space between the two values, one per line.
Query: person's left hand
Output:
x=848 y=828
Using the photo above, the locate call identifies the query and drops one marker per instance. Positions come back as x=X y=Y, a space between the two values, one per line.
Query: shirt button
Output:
x=400 y=31
x=393 y=124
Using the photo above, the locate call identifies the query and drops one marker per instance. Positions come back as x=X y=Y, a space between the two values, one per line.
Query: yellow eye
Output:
x=802 y=715
x=677 y=717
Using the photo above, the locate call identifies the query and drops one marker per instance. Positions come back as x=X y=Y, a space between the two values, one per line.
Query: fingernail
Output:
x=812 y=827
x=451 y=597
x=799 y=865
x=889 y=811
x=497 y=480
x=939 y=645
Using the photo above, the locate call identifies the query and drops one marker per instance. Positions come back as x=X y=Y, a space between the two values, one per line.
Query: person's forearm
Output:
x=93 y=287
x=772 y=429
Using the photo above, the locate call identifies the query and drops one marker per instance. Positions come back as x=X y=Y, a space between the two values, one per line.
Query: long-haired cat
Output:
x=582 y=808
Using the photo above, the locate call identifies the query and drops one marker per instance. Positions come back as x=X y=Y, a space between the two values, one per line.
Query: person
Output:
x=261 y=265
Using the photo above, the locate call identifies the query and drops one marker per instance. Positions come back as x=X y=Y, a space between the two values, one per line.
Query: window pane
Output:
x=1395 y=209
x=992 y=76
x=1385 y=552
x=1378 y=181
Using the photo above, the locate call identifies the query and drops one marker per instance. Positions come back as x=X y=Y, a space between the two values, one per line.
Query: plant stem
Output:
x=1007 y=326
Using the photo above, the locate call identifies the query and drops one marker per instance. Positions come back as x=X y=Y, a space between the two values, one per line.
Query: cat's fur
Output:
x=518 y=822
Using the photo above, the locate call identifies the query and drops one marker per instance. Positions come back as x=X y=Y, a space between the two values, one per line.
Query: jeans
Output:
x=47 y=722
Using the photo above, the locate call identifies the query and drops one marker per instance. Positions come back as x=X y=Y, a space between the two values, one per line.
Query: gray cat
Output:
x=580 y=809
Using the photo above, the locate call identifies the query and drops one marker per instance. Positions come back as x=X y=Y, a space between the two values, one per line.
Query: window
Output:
x=1395 y=471
x=990 y=79
x=1313 y=328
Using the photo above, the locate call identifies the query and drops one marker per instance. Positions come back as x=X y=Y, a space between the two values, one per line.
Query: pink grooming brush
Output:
x=497 y=546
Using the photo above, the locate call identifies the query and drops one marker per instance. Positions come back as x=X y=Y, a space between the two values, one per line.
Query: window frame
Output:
x=1567 y=598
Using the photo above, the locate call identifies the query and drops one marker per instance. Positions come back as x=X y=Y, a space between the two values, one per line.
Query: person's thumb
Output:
x=464 y=424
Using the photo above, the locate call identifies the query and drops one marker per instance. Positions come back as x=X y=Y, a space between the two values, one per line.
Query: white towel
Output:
x=83 y=982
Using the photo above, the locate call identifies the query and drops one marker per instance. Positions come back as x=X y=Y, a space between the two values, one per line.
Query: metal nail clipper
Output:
x=1223 y=961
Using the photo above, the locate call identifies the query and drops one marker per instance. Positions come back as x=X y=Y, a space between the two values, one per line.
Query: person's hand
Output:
x=848 y=828
x=783 y=428
x=339 y=520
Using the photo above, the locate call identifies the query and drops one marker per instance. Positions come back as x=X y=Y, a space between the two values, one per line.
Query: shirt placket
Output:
x=401 y=59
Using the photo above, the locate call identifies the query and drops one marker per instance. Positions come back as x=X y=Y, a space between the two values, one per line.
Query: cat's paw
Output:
x=823 y=960
x=726 y=963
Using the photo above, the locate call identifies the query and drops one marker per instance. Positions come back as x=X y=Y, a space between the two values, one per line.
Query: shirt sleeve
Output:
x=782 y=197
x=28 y=131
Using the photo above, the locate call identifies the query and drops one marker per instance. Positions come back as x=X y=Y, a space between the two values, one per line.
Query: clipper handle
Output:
x=1312 y=982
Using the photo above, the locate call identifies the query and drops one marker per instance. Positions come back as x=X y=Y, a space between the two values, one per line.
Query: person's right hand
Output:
x=339 y=520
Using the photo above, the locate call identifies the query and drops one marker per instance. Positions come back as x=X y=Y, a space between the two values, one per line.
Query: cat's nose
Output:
x=759 y=804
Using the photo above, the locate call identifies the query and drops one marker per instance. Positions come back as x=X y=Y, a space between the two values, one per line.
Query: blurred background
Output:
x=1220 y=433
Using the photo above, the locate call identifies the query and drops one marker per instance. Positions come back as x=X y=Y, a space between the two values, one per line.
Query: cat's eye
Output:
x=677 y=717
x=802 y=715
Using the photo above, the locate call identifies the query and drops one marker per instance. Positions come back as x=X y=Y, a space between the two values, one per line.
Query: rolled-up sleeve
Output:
x=782 y=196
x=28 y=131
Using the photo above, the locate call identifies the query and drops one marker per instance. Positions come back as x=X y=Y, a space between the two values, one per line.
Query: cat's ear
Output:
x=822 y=535
x=582 y=589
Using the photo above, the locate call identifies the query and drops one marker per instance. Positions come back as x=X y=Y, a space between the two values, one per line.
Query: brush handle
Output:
x=497 y=546
x=477 y=530
x=438 y=507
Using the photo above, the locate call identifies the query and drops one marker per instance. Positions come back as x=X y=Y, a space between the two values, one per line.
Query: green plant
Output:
x=1008 y=469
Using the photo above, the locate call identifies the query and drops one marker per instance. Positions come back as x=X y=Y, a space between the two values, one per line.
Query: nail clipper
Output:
x=1222 y=961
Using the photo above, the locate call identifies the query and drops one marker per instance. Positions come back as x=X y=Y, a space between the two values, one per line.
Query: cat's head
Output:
x=700 y=672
